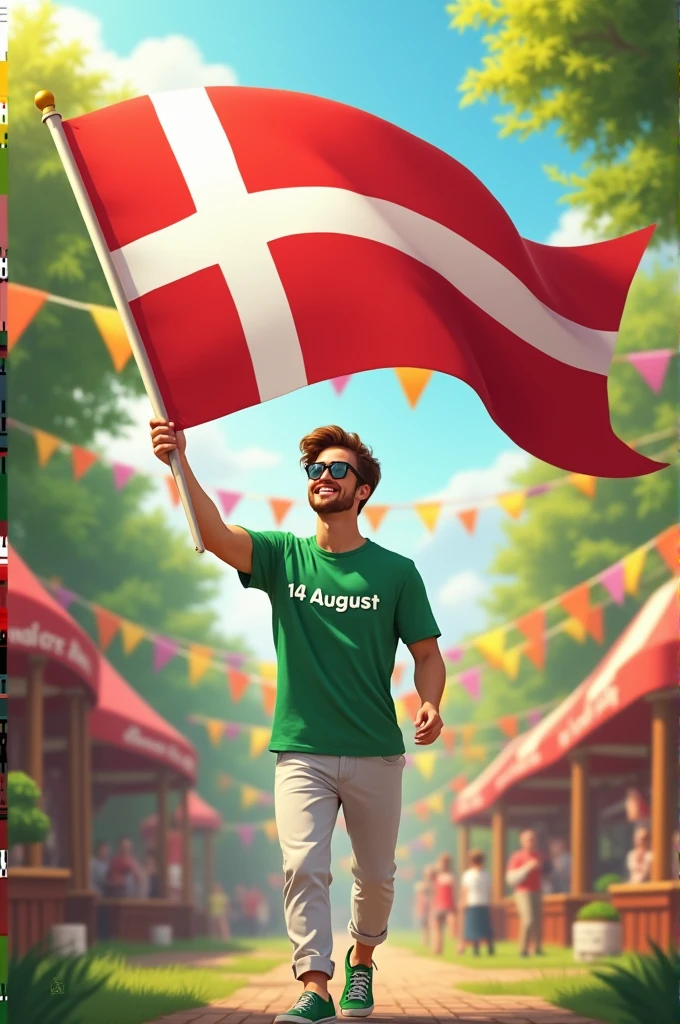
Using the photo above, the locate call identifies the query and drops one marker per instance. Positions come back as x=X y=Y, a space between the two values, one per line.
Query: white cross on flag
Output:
x=266 y=240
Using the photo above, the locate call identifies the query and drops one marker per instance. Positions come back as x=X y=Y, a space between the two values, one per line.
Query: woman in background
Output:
x=423 y=892
x=443 y=903
x=475 y=894
x=218 y=905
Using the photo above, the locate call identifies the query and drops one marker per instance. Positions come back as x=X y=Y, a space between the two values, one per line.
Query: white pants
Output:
x=309 y=791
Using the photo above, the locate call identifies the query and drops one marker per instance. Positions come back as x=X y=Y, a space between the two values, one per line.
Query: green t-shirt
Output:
x=337 y=619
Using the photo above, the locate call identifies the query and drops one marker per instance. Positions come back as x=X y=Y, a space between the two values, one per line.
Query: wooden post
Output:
x=580 y=824
x=498 y=854
x=187 y=853
x=162 y=838
x=75 y=765
x=664 y=780
x=208 y=868
x=86 y=792
x=34 y=738
x=463 y=849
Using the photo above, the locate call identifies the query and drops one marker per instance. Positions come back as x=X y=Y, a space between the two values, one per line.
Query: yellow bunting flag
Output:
x=402 y=713
x=259 y=740
x=585 y=484
x=402 y=853
x=468 y=517
x=107 y=626
x=82 y=460
x=131 y=635
x=425 y=761
x=429 y=513
x=476 y=753
x=513 y=503
x=633 y=564
x=249 y=796
x=427 y=840
x=467 y=732
x=172 y=490
x=110 y=326
x=575 y=629
x=46 y=445
x=509 y=726
x=200 y=660
x=375 y=514
x=413 y=382
x=268 y=699
x=215 y=730
x=492 y=646
x=270 y=830
x=280 y=508
x=511 y=661
x=267 y=670
x=435 y=802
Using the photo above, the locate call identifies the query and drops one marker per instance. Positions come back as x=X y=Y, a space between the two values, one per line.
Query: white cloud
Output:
x=473 y=484
x=462 y=588
x=571 y=230
x=171 y=62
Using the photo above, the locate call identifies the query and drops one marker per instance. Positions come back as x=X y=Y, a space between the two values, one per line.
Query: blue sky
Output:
x=398 y=60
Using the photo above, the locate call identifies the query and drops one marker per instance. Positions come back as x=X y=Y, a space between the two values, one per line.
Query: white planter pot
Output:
x=592 y=940
x=69 y=939
x=161 y=935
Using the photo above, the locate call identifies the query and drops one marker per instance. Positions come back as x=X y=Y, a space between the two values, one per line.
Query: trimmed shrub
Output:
x=598 y=910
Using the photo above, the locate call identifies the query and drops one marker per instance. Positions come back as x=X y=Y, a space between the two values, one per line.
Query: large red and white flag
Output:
x=267 y=240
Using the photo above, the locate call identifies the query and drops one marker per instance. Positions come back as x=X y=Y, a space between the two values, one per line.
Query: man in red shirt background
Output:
x=523 y=874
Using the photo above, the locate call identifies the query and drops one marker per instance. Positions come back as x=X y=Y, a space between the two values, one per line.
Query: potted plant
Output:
x=604 y=881
x=596 y=932
x=26 y=823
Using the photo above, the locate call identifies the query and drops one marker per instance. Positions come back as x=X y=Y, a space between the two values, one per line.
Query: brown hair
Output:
x=319 y=440
x=476 y=858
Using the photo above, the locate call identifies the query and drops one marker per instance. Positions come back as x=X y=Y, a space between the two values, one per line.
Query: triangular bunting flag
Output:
x=471 y=681
x=23 y=304
x=340 y=383
x=173 y=492
x=513 y=503
x=215 y=730
x=534 y=716
x=596 y=623
x=427 y=841
x=401 y=712
x=224 y=781
x=492 y=646
x=576 y=602
x=238 y=684
x=64 y=597
x=412 y=703
x=249 y=796
x=511 y=661
x=467 y=733
x=397 y=673
x=535 y=652
x=268 y=670
x=110 y=326
x=235 y=659
x=459 y=783
x=246 y=834
x=259 y=740
x=633 y=564
x=429 y=513
x=270 y=830
x=164 y=650
x=131 y=635
x=46 y=445
x=232 y=730
x=121 y=474
x=375 y=514
x=585 y=484
x=82 y=460
x=651 y=366
x=269 y=699
x=613 y=582
x=532 y=626
x=509 y=726
x=228 y=500
x=425 y=761
x=449 y=739
x=107 y=626
x=453 y=654
x=280 y=508
x=200 y=659
x=413 y=382
x=575 y=629
x=667 y=546
x=476 y=753
x=435 y=802
x=468 y=517
x=402 y=853
x=421 y=810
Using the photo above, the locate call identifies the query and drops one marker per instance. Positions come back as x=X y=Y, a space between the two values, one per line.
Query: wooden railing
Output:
x=648 y=911
x=37 y=900
x=131 y=920
x=559 y=914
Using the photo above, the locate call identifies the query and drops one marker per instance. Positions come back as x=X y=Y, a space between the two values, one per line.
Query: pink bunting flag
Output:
x=266 y=798
x=471 y=681
x=613 y=580
x=453 y=654
x=121 y=474
x=651 y=366
x=246 y=834
x=340 y=383
x=534 y=717
x=408 y=760
x=232 y=730
x=64 y=597
x=229 y=500
x=235 y=659
x=164 y=650
x=533 y=492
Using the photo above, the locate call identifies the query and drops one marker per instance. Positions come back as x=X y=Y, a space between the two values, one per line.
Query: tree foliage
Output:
x=603 y=72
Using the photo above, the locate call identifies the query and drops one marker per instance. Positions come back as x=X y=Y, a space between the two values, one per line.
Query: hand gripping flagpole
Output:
x=44 y=101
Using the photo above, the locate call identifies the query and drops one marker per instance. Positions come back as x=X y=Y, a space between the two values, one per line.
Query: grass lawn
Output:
x=582 y=994
x=506 y=956
x=271 y=944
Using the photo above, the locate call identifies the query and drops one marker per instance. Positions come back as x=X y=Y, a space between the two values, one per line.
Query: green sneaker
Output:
x=357 y=996
x=309 y=1009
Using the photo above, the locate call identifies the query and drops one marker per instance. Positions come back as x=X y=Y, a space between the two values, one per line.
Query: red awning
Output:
x=130 y=736
x=202 y=816
x=606 y=708
x=38 y=625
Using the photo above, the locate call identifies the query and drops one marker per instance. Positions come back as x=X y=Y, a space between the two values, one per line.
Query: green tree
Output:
x=604 y=72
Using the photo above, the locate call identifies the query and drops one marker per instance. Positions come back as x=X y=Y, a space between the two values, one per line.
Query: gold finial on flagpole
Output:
x=44 y=101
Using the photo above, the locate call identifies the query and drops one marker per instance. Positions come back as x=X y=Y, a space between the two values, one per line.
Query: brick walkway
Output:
x=408 y=989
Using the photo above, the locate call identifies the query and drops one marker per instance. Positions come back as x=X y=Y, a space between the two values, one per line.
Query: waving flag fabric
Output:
x=267 y=240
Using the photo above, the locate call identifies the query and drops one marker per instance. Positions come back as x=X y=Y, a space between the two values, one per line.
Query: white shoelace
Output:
x=305 y=1002
x=358 y=986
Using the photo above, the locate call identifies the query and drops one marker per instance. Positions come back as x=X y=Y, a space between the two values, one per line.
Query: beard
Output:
x=326 y=506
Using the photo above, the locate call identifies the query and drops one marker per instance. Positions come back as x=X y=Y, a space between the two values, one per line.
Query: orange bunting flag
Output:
x=596 y=623
x=532 y=626
x=131 y=635
x=476 y=753
x=468 y=517
x=492 y=646
x=375 y=514
x=46 y=445
x=429 y=513
x=280 y=508
x=585 y=484
x=412 y=704
x=269 y=699
x=82 y=461
x=172 y=490
x=633 y=565
x=270 y=830
x=238 y=684
x=422 y=811
x=513 y=503
x=397 y=673
x=667 y=546
x=215 y=730
x=23 y=304
x=576 y=603
x=413 y=382
x=509 y=726
x=200 y=660
x=459 y=783
x=107 y=626
x=110 y=326
x=449 y=739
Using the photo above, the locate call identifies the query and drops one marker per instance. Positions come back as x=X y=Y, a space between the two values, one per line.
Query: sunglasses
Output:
x=338 y=470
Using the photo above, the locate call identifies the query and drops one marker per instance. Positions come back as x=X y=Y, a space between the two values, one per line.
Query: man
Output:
x=340 y=604
x=524 y=876
x=560 y=866
x=99 y=868
x=125 y=876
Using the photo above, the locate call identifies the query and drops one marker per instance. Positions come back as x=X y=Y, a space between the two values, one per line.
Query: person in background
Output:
x=238 y=914
x=262 y=913
x=422 y=908
x=151 y=887
x=124 y=877
x=443 y=903
x=560 y=866
x=523 y=874
x=218 y=909
x=639 y=860
x=475 y=897
x=99 y=868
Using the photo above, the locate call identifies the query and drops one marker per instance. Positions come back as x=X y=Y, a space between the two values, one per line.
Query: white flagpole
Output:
x=44 y=101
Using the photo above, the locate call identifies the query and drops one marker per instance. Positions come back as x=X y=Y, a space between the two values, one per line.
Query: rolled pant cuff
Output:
x=366 y=940
x=313 y=963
